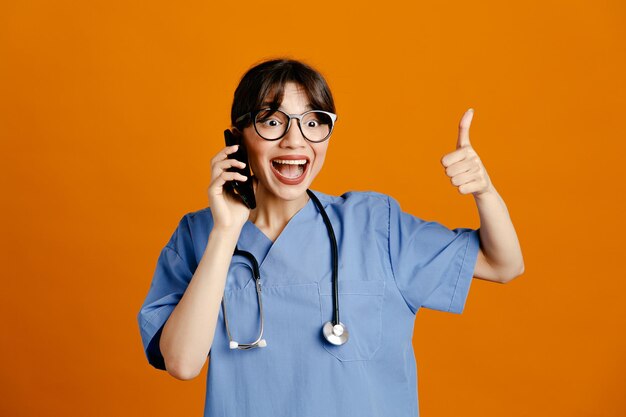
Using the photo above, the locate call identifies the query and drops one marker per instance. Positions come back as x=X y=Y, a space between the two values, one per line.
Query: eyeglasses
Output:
x=272 y=124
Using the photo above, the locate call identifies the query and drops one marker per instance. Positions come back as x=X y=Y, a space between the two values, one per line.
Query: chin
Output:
x=290 y=192
x=294 y=193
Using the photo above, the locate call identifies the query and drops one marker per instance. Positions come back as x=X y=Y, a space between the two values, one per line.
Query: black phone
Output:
x=245 y=190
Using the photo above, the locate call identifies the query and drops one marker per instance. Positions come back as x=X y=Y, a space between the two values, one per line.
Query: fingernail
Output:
x=471 y=110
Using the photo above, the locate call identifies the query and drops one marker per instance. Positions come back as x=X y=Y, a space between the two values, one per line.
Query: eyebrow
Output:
x=307 y=107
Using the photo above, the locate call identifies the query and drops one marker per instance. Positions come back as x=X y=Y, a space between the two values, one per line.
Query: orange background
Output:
x=110 y=112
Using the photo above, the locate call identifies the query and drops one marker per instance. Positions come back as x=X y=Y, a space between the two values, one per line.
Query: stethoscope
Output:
x=334 y=331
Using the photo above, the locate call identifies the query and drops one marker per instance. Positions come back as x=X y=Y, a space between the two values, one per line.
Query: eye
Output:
x=270 y=118
x=270 y=122
x=312 y=123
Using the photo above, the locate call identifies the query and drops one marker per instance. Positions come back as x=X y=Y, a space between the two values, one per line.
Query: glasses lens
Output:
x=316 y=125
x=271 y=124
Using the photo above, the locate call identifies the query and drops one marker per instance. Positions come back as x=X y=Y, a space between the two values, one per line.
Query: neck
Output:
x=272 y=212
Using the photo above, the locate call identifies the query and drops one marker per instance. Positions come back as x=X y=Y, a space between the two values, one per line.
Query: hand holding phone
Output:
x=244 y=190
x=229 y=213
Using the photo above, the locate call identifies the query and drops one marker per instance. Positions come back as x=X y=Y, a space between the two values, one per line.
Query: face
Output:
x=280 y=179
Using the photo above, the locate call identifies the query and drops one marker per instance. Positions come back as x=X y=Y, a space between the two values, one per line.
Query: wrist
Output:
x=489 y=194
x=225 y=234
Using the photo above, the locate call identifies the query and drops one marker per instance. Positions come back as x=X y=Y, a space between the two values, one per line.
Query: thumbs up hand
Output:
x=463 y=166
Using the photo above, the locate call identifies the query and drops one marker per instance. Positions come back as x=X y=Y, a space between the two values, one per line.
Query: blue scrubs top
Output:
x=391 y=263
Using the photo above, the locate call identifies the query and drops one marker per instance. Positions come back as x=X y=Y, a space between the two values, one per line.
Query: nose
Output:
x=293 y=138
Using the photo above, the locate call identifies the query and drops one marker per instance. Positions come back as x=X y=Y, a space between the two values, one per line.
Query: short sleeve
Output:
x=432 y=265
x=171 y=277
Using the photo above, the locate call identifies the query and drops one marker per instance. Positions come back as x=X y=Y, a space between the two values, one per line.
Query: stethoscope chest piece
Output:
x=337 y=334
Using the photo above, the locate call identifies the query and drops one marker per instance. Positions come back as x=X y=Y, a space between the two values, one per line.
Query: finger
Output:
x=232 y=176
x=464 y=178
x=455 y=156
x=228 y=163
x=464 y=165
x=469 y=187
x=464 y=127
x=230 y=149
x=225 y=176
x=225 y=165
x=223 y=154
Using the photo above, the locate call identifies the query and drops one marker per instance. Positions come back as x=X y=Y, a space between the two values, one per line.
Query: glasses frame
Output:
x=253 y=114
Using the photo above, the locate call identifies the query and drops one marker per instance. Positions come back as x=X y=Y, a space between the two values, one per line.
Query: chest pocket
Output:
x=360 y=310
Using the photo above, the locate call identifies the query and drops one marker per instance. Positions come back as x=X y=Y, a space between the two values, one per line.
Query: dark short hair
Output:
x=269 y=78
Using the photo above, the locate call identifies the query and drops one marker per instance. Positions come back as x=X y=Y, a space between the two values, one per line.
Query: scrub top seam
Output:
x=168 y=246
x=458 y=278
x=175 y=251
x=393 y=275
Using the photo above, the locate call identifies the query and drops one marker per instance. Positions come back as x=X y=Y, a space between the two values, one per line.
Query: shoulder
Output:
x=364 y=206
x=201 y=217
x=368 y=207
x=192 y=226
x=362 y=199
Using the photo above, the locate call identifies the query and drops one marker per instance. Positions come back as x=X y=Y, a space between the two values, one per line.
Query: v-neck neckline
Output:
x=272 y=242
x=259 y=244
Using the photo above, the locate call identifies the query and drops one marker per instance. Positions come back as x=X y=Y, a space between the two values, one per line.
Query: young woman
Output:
x=323 y=326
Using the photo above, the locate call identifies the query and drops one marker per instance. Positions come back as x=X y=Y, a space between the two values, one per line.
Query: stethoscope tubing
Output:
x=335 y=332
x=334 y=255
x=257 y=282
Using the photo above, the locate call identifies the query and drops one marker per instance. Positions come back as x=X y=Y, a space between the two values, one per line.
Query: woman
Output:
x=388 y=264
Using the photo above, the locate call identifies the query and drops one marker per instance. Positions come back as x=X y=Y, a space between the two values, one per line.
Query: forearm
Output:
x=188 y=332
x=499 y=241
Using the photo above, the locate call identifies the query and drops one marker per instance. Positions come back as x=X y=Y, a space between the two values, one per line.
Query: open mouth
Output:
x=291 y=169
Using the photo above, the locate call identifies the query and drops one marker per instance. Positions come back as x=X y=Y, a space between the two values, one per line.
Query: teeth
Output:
x=290 y=161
